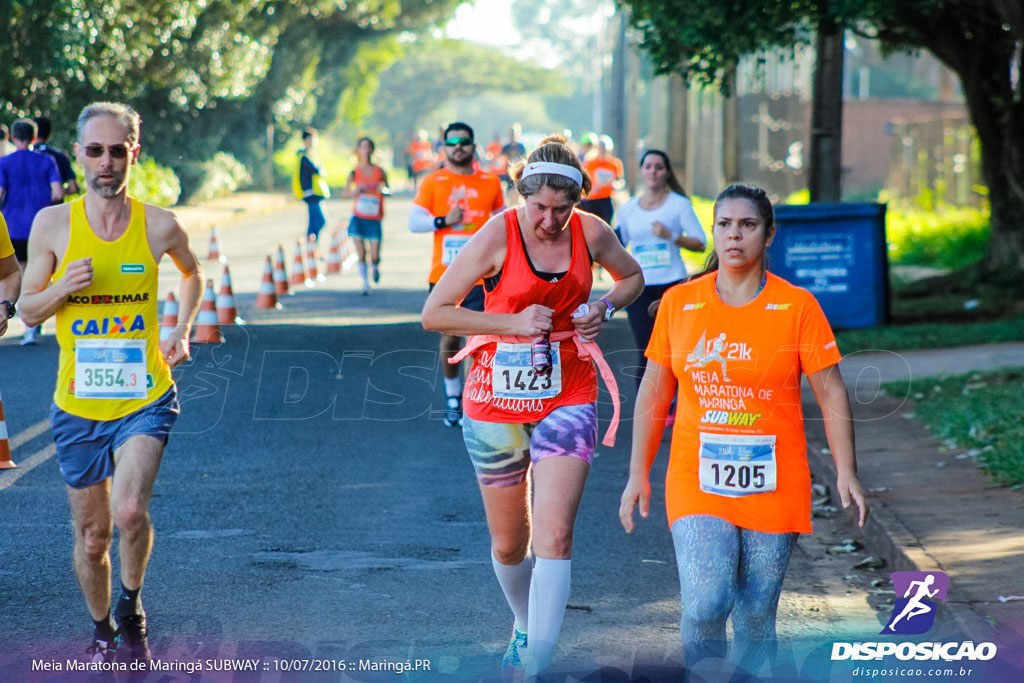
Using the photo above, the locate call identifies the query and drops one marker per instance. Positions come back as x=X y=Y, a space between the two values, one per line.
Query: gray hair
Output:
x=116 y=110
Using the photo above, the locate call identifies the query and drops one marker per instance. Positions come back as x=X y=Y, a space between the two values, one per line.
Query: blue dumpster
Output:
x=838 y=252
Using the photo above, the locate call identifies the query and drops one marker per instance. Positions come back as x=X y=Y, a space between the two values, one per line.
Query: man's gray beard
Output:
x=107 y=191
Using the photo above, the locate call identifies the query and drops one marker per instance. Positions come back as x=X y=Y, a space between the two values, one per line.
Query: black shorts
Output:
x=20 y=250
x=602 y=208
x=474 y=301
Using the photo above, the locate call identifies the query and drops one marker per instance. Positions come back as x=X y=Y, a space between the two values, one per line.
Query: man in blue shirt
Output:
x=29 y=182
x=67 y=174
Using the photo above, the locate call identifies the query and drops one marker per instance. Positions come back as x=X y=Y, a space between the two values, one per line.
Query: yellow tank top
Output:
x=109 y=336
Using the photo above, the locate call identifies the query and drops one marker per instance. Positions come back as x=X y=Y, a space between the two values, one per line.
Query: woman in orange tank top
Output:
x=530 y=398
x=368 y=185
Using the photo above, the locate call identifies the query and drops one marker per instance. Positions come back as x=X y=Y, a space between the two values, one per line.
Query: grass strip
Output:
x=931 y=335
x=981 y=413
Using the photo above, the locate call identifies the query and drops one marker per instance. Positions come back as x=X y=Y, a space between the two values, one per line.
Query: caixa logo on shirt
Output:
x=102 y=326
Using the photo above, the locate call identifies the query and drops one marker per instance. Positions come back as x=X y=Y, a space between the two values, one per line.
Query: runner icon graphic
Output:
x=914 y=613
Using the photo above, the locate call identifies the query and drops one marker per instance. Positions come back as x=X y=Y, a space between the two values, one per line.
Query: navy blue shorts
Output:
x=474 y=301
x=85 y=448
x=367 y=228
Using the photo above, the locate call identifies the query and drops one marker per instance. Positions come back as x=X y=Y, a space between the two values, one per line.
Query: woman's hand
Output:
x=589 y=324
x=659 y=230
x=638 y=490
x=532 y=321
x=849 y=488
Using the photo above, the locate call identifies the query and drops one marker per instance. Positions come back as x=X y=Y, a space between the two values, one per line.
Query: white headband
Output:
x=537 y=167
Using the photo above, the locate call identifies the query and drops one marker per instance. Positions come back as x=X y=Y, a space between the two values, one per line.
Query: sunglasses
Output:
x=452 y=142
x=116 y=151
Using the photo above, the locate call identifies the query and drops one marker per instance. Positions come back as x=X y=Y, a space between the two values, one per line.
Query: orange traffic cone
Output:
x=207 y=328
x=334 y=255
x=267 y=297
x=312 y=273
x=280 y=274
x=170 y=316
x=5 y=446
x=298 y=267
x=226 y=309
x=215 y=254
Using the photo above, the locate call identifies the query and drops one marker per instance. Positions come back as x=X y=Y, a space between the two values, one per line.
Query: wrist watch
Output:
x=440 y=222
x=610 y=310
x=11 y=310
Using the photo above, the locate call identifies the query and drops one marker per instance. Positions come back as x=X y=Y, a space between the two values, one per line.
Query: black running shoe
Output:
x=133 y=644
x=453 y=412
x=102 y=651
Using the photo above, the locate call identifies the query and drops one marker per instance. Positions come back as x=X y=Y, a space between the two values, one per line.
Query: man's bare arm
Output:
x=40 y=299
x=169 y=237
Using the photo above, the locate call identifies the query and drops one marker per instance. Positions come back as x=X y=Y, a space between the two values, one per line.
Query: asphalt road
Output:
x=312 y=507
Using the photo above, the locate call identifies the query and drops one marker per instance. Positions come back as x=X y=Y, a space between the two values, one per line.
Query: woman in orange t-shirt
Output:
x=525 y=423
x=738 y=490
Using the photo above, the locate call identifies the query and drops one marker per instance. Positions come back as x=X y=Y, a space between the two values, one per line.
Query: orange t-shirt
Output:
x=604 y=172
x=422 y=156
x=739 y=430
x=496 y=161
x=479 y=194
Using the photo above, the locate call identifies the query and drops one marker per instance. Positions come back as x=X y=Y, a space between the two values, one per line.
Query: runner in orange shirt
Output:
x=421 y=157
x=738 y=490
x=497 y=164
x=453 y=202
x=608 y=176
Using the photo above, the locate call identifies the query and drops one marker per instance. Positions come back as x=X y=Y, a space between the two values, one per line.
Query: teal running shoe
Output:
x=511 y=659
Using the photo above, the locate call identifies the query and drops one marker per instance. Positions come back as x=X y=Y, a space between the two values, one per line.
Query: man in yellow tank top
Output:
x=10 y=277
x=93 y=263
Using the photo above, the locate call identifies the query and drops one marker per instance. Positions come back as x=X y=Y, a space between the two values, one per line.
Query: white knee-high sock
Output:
x=549 y=593
x=362 y=274
x=515 y=583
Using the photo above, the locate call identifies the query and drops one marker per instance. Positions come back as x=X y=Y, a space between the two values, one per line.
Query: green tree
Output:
x=436 y=71
x=206 y=76
x=979 y=40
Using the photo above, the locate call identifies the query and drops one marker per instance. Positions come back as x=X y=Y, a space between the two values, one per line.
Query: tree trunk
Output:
x=996 y=107
x=826 y=170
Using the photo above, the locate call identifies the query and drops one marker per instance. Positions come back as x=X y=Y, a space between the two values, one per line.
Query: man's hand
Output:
x=77 y=277
x=175 y=348
x=454 y=216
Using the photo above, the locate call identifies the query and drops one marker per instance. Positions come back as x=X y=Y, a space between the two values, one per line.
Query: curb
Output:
x=901 y=550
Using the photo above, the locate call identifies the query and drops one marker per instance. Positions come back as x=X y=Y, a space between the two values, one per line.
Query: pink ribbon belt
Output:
x=587 y=350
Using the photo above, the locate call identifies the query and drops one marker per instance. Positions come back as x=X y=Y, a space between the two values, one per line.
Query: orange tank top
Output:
x=369 y=202
x=502 y=386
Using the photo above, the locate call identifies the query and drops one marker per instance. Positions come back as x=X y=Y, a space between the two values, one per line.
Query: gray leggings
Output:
x=728 y=571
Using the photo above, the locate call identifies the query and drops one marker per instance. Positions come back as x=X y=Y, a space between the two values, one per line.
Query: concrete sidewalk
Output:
x=934 y=509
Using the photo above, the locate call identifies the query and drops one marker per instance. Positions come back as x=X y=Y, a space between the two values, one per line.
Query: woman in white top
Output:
x=655 y=226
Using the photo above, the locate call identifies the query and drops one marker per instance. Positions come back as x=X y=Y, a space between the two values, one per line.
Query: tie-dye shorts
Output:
x=502 y=452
